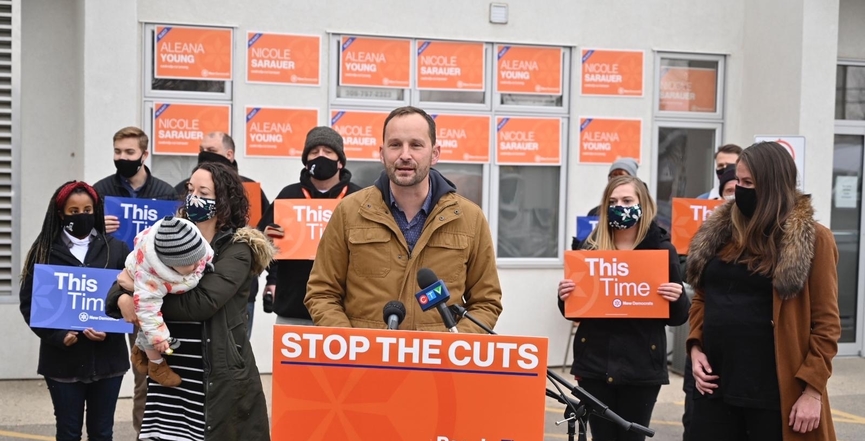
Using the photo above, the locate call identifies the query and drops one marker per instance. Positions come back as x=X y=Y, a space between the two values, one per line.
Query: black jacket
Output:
x=234 y=403
x=291 y=276
x=630 y=351
x=153 y=188
x=86 y=358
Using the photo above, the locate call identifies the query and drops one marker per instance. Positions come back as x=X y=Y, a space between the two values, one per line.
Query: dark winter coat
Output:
x=630 y=351
x=153 y=188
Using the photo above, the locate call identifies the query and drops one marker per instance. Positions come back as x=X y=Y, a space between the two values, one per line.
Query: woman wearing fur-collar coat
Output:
x=764 y=319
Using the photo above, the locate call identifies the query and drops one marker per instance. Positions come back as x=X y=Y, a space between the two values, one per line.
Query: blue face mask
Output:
x=200 y=209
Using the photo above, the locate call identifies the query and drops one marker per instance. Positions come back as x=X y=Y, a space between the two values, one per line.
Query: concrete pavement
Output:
x=26 y=412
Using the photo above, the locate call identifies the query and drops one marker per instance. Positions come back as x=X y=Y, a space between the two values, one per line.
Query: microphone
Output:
x=434 y=294
x=394 y=313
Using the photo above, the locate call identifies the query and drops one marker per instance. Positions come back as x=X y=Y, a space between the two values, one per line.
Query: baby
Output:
x=169 y=258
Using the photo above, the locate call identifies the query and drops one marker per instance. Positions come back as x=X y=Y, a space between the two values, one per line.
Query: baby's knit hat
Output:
x=178 y=242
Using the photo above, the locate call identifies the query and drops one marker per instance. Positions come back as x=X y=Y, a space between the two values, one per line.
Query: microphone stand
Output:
x=574 y=411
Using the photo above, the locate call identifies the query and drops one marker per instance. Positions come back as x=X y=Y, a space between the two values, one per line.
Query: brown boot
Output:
x=162 y=374
x=139 y=360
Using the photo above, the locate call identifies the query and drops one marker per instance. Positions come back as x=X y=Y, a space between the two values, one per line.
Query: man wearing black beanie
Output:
x=324 y=176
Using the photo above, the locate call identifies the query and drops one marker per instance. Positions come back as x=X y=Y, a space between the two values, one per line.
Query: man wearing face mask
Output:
x=324 y=177
x=726 y=155
x=133 y=178
x=219 y=147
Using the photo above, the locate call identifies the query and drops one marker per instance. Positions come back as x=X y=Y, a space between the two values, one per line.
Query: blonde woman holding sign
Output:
x=623 y=362
x=765 y=323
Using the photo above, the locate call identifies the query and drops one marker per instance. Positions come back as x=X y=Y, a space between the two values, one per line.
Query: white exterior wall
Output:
x=774 y=86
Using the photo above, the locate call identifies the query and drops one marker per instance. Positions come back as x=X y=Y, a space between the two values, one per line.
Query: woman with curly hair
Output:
x=81 y=369
x=765 y=323
x=220 y=396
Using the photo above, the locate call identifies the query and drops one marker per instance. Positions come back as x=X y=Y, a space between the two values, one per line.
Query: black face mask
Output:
x=79 y=225
x=128 y=167
x=746 y=200
x=213 y=157
x=322 y=168
x=720 y=171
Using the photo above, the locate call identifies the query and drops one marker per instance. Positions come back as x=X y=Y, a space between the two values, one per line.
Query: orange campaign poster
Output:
x=375 y=62
x=688 y=216
x=617 y=284
x=375 y=384
x=283 y=59
x=253 y=193
x=449 y=65
x=603 y=141
x=612 y=73
x=179 y=128
x=278 y=132
x=463 y=138
x=529 y=69
x=688 y=89
x=360 y=132
x=193 y=53
x=528 y=141
x=304 y=221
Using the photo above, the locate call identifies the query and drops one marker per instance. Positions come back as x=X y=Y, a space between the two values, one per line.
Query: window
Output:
x=468 y=88
x=10 y=261
x=688 y=127
x=183 y=95
x=850 y=92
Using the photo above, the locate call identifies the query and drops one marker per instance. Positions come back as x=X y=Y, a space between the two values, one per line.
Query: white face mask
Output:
x=730 y=197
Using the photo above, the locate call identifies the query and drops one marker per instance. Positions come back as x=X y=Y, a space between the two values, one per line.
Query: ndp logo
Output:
x=83 y=317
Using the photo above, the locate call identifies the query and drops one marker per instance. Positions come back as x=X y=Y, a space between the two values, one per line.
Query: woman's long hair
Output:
x=232 y=205
x=602 y=237
x=756 y=241
x=51 y=226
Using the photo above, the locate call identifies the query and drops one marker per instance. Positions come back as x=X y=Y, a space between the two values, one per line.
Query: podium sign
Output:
x=364 y=384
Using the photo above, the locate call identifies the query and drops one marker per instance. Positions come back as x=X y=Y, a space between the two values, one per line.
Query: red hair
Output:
x=69 y=188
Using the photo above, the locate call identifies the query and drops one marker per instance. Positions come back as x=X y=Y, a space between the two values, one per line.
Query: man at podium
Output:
x=378 y=238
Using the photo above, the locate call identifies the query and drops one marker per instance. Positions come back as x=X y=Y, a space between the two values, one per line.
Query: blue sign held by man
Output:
x=136 y=215
x=73 y=298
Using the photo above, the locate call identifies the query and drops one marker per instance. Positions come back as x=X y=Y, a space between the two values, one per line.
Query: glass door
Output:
x=846 y=225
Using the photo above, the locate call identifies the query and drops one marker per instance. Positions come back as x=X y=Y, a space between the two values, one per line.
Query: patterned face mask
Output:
x=200 y=209
x=622 y=218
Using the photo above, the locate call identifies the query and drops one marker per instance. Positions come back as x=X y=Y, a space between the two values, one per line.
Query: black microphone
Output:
x=394 y=313
x=434 y=293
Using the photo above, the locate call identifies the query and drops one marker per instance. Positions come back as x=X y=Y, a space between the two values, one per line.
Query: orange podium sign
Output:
x=304 y=221
x=339 y=384
x=193 y=53
x=253 y=194
x=463 y=138
x=617 y=284
x=179 y=128
x=688 y=216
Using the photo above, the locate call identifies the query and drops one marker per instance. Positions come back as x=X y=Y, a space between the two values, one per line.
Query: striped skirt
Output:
x=177 y=413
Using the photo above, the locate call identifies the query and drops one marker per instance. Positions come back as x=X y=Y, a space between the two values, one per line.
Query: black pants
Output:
x=715 y=420
x=70 y=400
x=690 y=388
x=633 y=403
